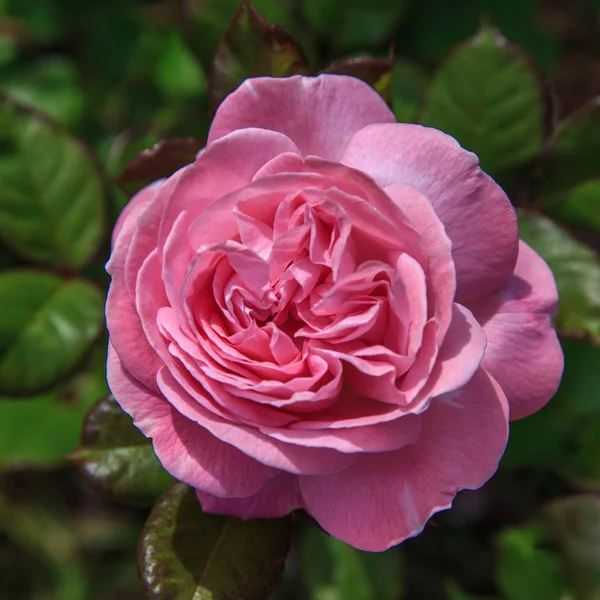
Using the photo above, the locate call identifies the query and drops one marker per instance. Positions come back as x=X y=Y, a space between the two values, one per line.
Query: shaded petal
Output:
x=385 y=498
x=380 y=437
x=185 y=449
x=128 y=337
x=523 y=352
x=319 y=114
x=278 y=497
x=476 y=213
x=271 y=452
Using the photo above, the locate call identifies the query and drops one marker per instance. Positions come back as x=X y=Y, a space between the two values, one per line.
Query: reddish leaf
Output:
x=251 y=48
x=160 y=161
x=378 y=73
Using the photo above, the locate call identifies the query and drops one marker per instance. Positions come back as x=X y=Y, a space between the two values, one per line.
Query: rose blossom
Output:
x=328 y=310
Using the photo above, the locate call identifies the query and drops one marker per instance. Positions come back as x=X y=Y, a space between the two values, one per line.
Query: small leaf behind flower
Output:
x=377 y=73
x=576 y=269
x=185 y=554
x=252 y=48
x=158 y=162
x=568 y=185
x=487 y=95
x=117 y=459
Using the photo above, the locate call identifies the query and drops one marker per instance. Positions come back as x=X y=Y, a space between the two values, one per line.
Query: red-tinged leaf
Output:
x=184 y=553
x=117 y=459
x=252 y=48
x=162 y=160
x=377 y=73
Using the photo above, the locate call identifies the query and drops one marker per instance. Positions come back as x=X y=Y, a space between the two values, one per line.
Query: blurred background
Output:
x=122 y=74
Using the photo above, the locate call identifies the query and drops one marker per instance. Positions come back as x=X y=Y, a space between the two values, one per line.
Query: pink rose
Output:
x=328 y=310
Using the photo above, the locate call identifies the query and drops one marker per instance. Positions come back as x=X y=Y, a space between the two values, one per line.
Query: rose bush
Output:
x=328 y=310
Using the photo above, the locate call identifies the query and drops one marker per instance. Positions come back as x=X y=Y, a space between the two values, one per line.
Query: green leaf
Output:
x=250 y=48
x=117 y=459
x=49 y=85
x=568 y=185
x=178 y=74
x=579 y=207
x=336 y=571
x=409 y=84
x=574 y=524
x=162 y=160
x=455 y=592
x=436 y=26
x=51 y=192
x=39 y=431
x=525 y=571
x=349 y=24
x=46 y=326
x=576 y=408
x=487 y=96
x=185 y=554
x=564 y=436
x=576 y=270
x=574 y=155
x=376 y=72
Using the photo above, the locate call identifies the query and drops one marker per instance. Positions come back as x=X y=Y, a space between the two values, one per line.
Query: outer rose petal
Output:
x=221 y=168
x=127 y=335
x=476 y=213
x=319 y=114
x=385 y=498
x=523 y=352
x=133 y=208
x=186 y=450
x=278 y=497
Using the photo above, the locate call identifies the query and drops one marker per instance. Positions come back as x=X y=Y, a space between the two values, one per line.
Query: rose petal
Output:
x=523 y=352
x=476 y=213
x=271 y=452
x=385 y=498
x=381 y=437
x=319 y=114
x=222 y=167
x=186 y=450
x=278 y=497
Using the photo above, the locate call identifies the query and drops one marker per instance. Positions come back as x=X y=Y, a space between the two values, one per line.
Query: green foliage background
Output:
x=86 y=86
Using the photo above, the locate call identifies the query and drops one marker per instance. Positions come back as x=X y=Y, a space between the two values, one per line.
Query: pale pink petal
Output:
x=523 y=352
x=186 y=450
x=476 y=213
x=385 y=498
x=278 y=497
x=319 y=114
